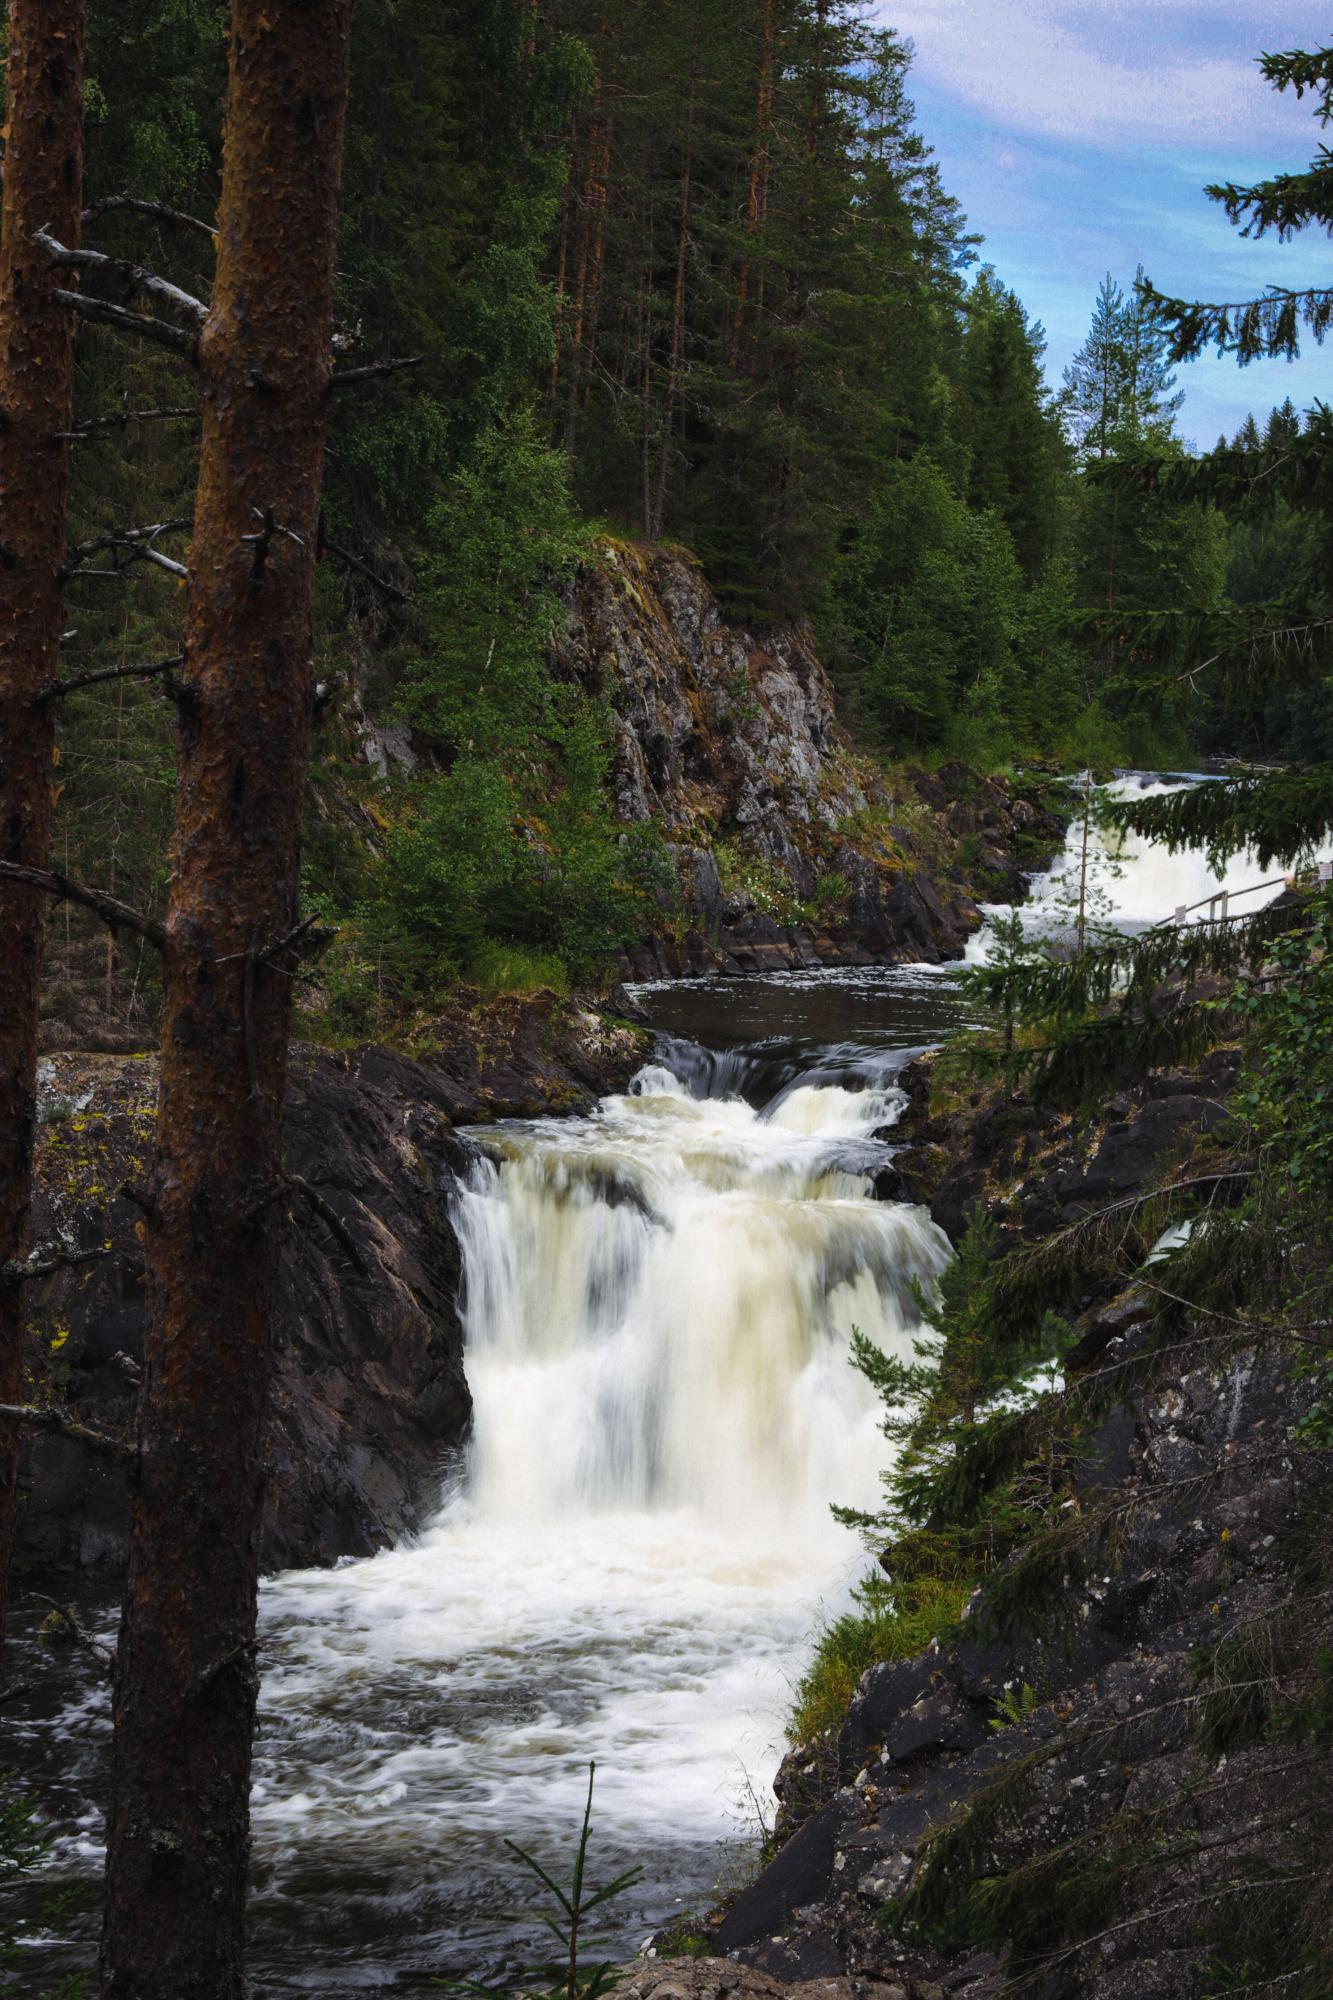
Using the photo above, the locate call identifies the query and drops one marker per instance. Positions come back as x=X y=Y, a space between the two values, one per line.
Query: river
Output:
x=633 y=1557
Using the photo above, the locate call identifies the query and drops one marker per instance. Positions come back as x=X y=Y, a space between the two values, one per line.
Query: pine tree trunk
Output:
x=756 y=199
x=561 y=270
x=601 y=200
x=178 y=1828
x=43 y=187
x=590 y=200
x=677 y=326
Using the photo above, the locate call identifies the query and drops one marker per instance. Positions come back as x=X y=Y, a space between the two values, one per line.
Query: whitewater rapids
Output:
x=658 y=1307
x=1133 y=883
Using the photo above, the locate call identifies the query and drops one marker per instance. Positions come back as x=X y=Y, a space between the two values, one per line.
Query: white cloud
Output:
x=1153 y=73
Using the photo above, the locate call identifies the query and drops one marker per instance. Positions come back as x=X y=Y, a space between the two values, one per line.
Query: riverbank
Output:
x=1058 y=1784
x=370 y=1397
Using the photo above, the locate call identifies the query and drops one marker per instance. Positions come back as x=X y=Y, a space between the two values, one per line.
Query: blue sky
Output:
x=1078 y=138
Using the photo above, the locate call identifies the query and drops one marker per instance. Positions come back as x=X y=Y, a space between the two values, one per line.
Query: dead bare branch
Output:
x=113 y=204
x=49 y=1417
x=332 y=1220
x=135 y=1195
x=351 y=378
x=137 y=277
x=345 y=556
x=66 y=1620
x=160 y=332
x=117 y=916
x=262 y=540
x=75 y=683
x=309 y=935
x=121 y=420
x=42 y=1263
x=134 y=545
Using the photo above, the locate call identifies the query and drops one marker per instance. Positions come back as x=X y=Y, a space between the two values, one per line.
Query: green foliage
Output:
x=511 y=850
x=1283 y=816
x=474 y=863
x=24 y=1845
x=1284 y=204
x=937 y=1404
x=892 y=1621
x=1119 y=393
x=505 y=542
x=570 y=1977
x=1015 y=1706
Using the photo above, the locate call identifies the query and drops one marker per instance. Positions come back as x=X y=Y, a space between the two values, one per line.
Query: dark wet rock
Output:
x=1130 y=1153
x=1108 y=1713
x=801 y=1970
x=520 y=1056
x=369 y=1392
x=1207 y=1488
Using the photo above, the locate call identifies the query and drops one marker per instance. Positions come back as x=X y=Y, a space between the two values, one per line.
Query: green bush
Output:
x=893 y=1622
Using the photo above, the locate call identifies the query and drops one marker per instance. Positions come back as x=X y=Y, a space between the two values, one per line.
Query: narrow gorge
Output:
x=613 y=1540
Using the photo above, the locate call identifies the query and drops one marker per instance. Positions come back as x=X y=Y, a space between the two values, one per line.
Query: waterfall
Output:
x=658 y=1303
x=658 y=1306
x=1137 y=882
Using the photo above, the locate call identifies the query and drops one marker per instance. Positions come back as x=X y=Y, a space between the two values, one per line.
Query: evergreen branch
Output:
x=1302 y=70
x=1115 y=1238
x=1265 y=328
x=1128 y=969
x=1285 y=203
x=117 y=916
x=1281 y=816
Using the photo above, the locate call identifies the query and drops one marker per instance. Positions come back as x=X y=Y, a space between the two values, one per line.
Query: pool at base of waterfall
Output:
x=632 y=1561
x=658 y=1305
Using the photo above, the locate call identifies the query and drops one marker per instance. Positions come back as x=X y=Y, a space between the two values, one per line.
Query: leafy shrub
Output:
x=893 y=1622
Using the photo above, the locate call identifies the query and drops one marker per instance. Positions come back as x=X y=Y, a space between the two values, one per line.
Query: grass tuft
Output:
x=892 y=1623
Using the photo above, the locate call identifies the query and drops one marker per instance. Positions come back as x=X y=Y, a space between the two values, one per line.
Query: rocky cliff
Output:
x=1084 y=1800
x=370 y=1398
x=788 y=848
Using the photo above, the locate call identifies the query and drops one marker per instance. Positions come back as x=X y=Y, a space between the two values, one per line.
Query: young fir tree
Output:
x=1119 y=391
x=938 y=1404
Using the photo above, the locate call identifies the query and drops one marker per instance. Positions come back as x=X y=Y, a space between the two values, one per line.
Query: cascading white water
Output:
x=658 y=1310
x=658 y=1306
x=1134 y=882
x=633 y=1560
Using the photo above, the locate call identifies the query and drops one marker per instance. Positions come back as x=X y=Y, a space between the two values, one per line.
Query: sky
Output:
x=1078 y=136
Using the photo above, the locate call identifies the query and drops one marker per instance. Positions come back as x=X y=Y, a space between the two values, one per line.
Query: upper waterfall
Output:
x=1134 y=883
x=659 y=1301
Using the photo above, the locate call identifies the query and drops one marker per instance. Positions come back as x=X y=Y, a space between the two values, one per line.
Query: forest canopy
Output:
x=689 y=274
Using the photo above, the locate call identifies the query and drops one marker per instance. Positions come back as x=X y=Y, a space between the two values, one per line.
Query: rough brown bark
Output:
x=43 y=186
x=658 y=514
x=756 y=198
x=178 y=1828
